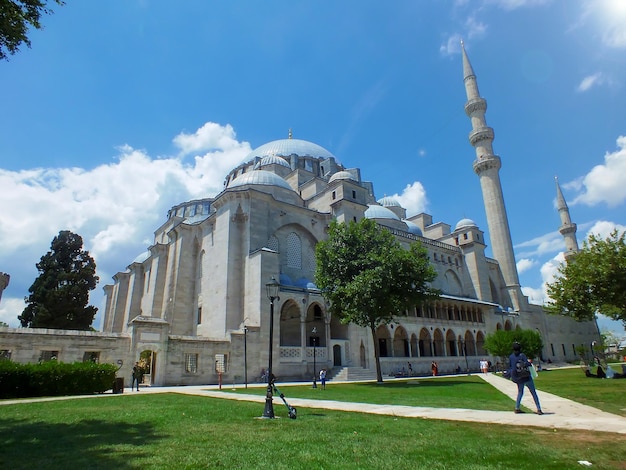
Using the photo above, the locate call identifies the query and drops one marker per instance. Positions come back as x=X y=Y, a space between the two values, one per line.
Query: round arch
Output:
x=290 y=324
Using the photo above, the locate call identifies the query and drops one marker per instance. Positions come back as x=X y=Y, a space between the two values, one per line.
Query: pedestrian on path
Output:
x=519 y=370
x=137 y=376
x=323 y=378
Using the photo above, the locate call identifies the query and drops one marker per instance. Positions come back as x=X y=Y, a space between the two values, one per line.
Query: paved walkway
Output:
x=560 y=413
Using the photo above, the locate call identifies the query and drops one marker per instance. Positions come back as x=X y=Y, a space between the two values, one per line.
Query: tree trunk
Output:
x=379 y=374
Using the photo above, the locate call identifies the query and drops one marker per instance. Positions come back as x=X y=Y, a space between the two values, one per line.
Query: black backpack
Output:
x=521 y=369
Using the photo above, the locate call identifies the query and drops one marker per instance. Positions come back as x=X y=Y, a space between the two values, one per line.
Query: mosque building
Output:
x=196 y=300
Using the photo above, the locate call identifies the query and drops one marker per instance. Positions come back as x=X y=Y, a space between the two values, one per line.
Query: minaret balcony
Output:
x=480 y=134
x=566 y=229
x=487 y=162
x=474 y=105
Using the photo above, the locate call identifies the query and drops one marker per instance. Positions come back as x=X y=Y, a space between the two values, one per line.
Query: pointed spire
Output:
x=468 y=71
x=567 y=228
x=560 y=199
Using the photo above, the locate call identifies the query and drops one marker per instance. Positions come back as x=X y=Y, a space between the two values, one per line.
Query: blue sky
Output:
x=122 y=109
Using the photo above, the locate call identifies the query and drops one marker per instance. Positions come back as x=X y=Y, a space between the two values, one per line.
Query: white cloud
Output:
x=210 y=137
x=603 y=228
x=591 y=81
x=515 y=4
x=606 y=183
x=474 y=28
x=544 y=244
x=10 y=308
x=114 y=207
x=413 y=198
x=548 y=271
x=452 y=45
x=525 y=264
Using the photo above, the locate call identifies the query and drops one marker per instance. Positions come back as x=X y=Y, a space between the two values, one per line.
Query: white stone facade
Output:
x=197 y=297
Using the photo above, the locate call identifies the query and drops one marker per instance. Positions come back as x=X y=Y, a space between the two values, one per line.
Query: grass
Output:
x=178 y=431
x=605 y=394
x=443 y=392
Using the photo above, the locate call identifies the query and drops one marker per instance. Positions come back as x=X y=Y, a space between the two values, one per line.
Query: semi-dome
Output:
x=379 y=212
x=259 y=177
x=142 y=257
x=388 y=202
x=465 y=223
x=342 y=175
x=287 y=147
x=272 y=160
x=413 y=228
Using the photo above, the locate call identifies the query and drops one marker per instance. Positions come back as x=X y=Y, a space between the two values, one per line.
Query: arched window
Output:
x=294 y=251
x=272 y=243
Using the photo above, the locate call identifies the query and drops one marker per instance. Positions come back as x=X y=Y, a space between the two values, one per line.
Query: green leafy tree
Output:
x=16 y=17
x=59 y=296
x=3 y=324
x=592 y=281
x=500 y=343
x=368 y=277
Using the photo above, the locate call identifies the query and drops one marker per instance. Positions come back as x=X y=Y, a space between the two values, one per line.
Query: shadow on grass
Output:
x=86 y=444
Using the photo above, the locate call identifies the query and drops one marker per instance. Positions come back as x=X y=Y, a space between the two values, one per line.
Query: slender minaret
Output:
x=487 y=167
x=567 y=228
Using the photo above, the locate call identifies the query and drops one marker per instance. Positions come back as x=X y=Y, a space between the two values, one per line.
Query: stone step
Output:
x=353 y=374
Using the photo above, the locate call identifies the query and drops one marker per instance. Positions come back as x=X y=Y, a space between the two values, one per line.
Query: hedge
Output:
x=54 y=379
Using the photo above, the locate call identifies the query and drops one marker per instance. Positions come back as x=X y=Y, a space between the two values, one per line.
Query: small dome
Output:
x=413 y=228
x=142 y=257
x=388 y=202
x=284 y=280
x=259 y=177
x=272 y=160
x=305 y=283
x=465 y=223
x=379 y=212
x=287 y=147
x=342 y=175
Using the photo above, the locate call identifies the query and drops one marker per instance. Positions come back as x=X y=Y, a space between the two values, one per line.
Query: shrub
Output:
x=54 y=379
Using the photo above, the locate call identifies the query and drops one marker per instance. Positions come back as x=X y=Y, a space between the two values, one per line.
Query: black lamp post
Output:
x=465 y=354
x=272 y=294
x=245 y=355
x=314 y=338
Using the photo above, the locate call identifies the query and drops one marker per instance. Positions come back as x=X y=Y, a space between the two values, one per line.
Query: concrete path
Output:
x=560 y=413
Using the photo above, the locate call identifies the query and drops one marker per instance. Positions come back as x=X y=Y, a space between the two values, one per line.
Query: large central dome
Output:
x=287 y=147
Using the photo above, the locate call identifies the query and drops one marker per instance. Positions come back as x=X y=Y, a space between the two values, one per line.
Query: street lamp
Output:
x=272 y=294
x=245 y=355
x=464 y=346
x=314 y=338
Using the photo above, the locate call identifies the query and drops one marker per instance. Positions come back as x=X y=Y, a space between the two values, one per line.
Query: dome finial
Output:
x=290 y=133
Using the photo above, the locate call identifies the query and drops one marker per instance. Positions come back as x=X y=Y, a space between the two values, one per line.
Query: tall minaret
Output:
x=487 y=167
x=567 y=228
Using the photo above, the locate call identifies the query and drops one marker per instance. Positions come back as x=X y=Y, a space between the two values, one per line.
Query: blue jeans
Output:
x=520 y=393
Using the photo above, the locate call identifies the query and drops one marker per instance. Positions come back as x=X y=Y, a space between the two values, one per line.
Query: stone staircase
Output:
x=353 y=374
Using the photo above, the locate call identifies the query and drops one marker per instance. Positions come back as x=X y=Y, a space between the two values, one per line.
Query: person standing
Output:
x=323 y=378
x=519 y=370
x=434 y=367
x=137 y=376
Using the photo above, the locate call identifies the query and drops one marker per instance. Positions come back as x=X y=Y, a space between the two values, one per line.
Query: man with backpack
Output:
x=519 y=370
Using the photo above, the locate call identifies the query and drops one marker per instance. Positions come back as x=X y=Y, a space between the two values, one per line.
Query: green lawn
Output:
x=467 y=391
x=443 y=392
x=605 y=394
x=178 y=431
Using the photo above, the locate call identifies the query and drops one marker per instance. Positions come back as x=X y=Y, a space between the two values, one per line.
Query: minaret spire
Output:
x=487 y=167
x=567 y=228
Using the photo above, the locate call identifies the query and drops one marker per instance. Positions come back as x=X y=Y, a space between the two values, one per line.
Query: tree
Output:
x=59 y=296
x=500 y=343
x=592 y=281
x=368 y=277
x=16 y=16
